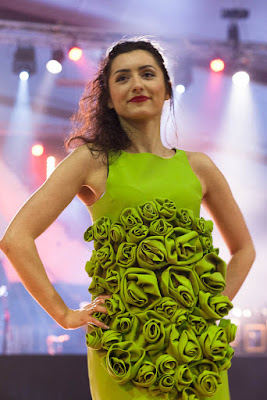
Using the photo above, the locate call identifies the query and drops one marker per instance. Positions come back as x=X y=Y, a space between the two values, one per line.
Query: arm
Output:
x=220 y=203
x=35 y=216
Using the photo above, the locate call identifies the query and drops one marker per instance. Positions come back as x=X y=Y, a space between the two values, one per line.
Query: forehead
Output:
x=133 y=59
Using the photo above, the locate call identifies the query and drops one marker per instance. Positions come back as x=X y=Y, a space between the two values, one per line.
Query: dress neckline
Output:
x=152 y=154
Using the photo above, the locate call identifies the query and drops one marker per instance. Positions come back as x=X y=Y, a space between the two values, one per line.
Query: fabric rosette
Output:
x=180 y=284
x=165 y=279
x=148 y=211
x=207 y=378
x=139 y=289
x=183 y=246
x=211 y=271
x=123 y=361
x=184 y=218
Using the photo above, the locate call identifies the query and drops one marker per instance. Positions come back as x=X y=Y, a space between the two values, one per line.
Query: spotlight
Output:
x=183 y=74
x=54 y=66
x=217 y=65
x=241 y=79
x=180 y=89
x=37 y=150
x=75 y=53
x=24 y=62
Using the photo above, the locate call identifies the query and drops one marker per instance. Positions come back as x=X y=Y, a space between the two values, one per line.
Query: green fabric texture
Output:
x=168 y=338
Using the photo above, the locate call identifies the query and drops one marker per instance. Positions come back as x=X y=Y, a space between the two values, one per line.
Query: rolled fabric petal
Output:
x=190 y=394
x=169 y=308
x=166 y=307
x=206 y=243
x=214 y=343
x=202 y=226
x=197 y=367
x=230 y=329
x=128 y=324
x=117 y=232
x=183 y=377
x=113 y=278
x=207 y=383
x=155 y=335
x=92 y=264
x=185 y=348
x=160 y=227
x=105 y=256
x=109 y=338
x=226 y=363
x=114 y=304
x=103 y=317
x=155 y=332
x=166 y=383
x=130 y=217
x=137 y=233
x=139 y=289
x=93 y=339
x=197 y=324
x=101 y=229
x=151 y=253
x=98 y=285
x=180 y=283
x=183 y=246
x=89 y=234
x=211 y=271
x=166 y=208
x=166 y=364
x=126 y=255
x=184 y=218
x=146 y=375
x=216 y=307
x=123 y=361
x=148 y=211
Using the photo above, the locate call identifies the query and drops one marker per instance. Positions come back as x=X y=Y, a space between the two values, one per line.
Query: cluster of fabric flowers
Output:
x=167 y=333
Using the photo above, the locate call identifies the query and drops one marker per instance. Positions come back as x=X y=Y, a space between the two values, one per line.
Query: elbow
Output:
x=4 y=245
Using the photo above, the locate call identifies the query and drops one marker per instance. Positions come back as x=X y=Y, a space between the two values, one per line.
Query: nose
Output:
x=137 y=85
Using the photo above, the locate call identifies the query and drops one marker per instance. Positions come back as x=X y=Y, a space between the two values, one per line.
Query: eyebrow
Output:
x=128 y=70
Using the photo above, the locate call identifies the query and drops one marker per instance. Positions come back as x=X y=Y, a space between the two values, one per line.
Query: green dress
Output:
x=175 y=316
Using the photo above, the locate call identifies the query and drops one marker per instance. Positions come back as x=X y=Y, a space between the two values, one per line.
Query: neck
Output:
x=145 y=136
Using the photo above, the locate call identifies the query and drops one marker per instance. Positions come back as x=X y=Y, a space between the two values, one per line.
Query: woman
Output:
x=123 y=112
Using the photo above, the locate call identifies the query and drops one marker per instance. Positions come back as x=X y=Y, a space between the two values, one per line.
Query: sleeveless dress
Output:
x=135 y=366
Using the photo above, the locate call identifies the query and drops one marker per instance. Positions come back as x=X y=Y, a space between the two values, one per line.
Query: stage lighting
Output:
x=241 y=79
x=180 y=89
x=183 y=74
x=54 y=66
x=75 y=53
x=217 y=65
x=37 y=150
x=24 y=62
x=50 y=165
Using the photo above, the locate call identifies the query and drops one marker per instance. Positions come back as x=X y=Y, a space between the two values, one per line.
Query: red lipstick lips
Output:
x=137 y=99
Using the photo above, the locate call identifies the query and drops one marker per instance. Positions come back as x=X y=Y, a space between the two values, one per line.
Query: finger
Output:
x=100 y=309
x=103 y=296
x=98 y=323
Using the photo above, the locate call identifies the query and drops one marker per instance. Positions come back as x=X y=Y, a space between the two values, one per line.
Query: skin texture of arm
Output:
x=34 y=217
x=221 y=205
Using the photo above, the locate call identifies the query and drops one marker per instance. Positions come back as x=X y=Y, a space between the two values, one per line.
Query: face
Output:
x=136 y=85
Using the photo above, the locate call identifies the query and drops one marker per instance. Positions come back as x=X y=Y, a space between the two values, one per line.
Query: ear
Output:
x=110 y=104
x=168 y=92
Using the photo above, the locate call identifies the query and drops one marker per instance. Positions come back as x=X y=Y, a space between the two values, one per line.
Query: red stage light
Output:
x=217 y=65
x=37 y=150
x=75 y=53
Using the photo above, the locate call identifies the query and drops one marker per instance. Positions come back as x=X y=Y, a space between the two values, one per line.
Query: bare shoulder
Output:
x=200 y=164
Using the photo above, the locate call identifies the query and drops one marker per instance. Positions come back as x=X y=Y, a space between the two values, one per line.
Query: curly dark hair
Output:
x=95 y=123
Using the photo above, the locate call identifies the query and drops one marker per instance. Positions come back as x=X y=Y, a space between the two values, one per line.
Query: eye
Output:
x=148 y=74
x=121 y=78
